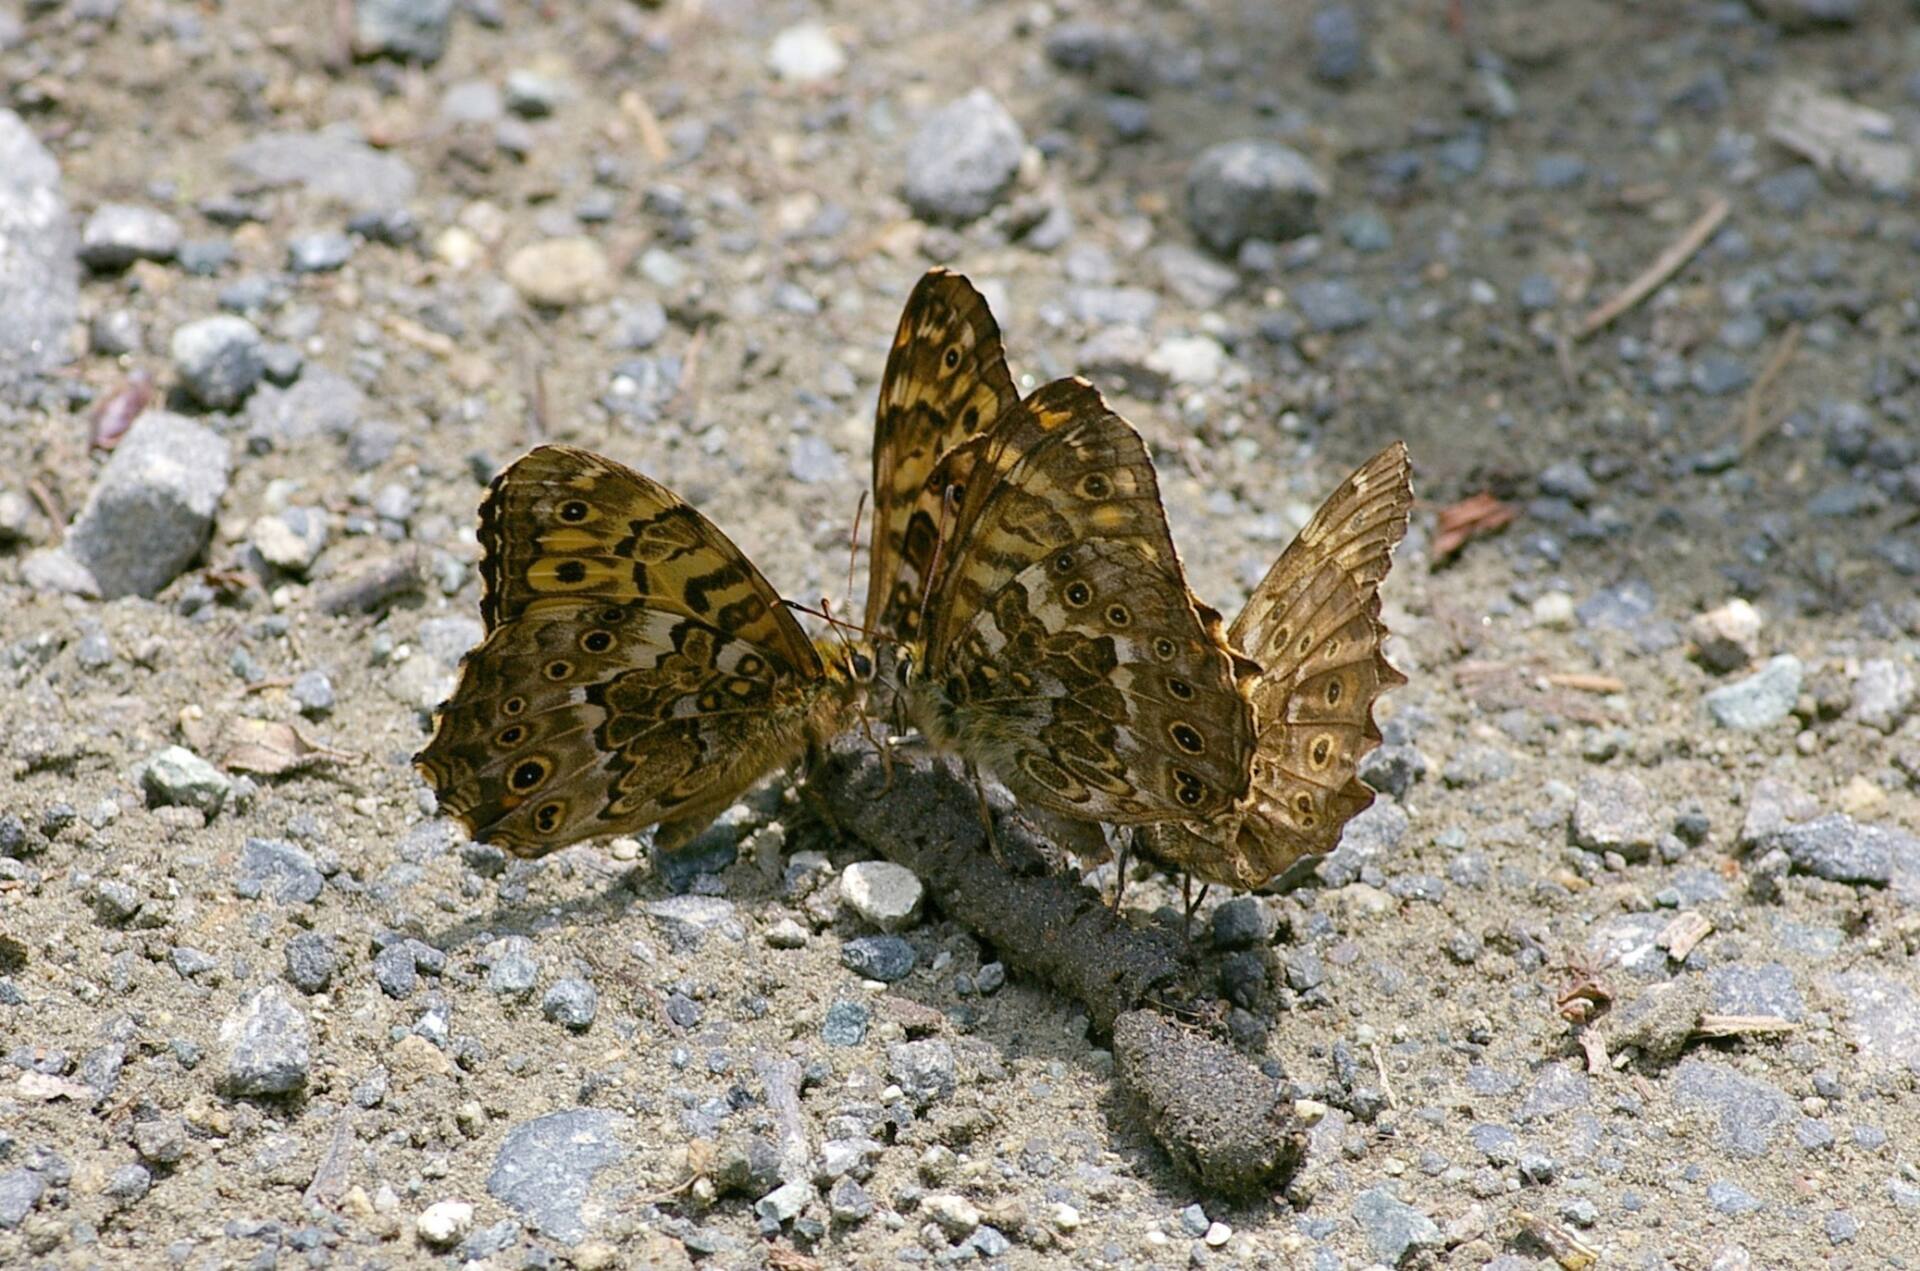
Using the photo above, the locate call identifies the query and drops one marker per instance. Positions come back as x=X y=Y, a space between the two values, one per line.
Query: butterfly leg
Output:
x=986 y=814
x=1191 y=902
x=1120 y=875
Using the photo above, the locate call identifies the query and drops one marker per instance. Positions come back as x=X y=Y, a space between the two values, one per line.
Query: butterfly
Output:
x=637 y=669
x=1024 y=575
x=1313 y=626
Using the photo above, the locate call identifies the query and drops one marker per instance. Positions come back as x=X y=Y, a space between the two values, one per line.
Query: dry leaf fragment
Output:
x=1473 y=517
x=270 y=748
x=45 y=1087
x=1680 y=936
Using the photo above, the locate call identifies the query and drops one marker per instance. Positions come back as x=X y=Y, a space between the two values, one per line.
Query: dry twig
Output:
x=1753 y=417
x=1665 y=266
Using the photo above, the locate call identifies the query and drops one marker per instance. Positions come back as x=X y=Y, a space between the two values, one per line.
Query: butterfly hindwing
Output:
x=1313 y=626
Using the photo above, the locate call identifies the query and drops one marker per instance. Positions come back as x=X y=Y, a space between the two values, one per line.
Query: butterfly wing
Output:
x=946 y=381
x=1313 y=624
x=637 y=668
x=1065 y=650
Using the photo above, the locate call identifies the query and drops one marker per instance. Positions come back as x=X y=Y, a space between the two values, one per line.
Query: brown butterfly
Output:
x=637 y=669
x=1024 y=572
x=1313 y=626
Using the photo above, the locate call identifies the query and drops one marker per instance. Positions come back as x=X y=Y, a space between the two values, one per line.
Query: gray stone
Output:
x=784 y=1203
x=176 y=777
x=20 y=1191
x=292 y=540
x=113 y=901
x=1197 y=279
x=1556 y=1088
x=321 y=252
x=688 y=920
x=321 y=403
x=846 y=1024
x=1339 y=44
x=545 y=1170
x=1883 y=1018
x=1760 y=700
x=152 y=508
x=311 y=962
x=849 y=1203
x=415 y=30
x=1238 y=190
x=219 y=360
x=1333 y=305
x=1394 y=1229
x=312 y=692
x=395 y=971
x=923 y=1069
x=1239 y=924
x=267 y=1044
x=39 y=266
x=192 y=962
x=276 y=868
x=571 y=1003
x=128 y=1184
x=1883 y=695
x=1731 y=1198
x=1613 y=813
x=1738 y=988
x=1476 y=765
x=1368 y=839
x=1841 y=850
x=1748 y=1114
x=160 y=1141
x=883 y=958
x=340 y=169
x=962 y=159
x=511 y=970
x=883 y=893
x=117 y=234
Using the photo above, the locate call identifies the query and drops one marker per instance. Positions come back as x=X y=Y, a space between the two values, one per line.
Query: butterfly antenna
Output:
x=853 y=543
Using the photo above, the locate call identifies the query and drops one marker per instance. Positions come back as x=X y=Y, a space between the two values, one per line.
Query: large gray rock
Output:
x=1239 y=190
x=39 y=271
x=545 y=1170
x=151 y=510
x=268 y=1045
x=963 y=158
x=340 y=169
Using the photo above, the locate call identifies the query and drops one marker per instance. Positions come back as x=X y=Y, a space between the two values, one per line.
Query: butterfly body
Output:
x=637 y=669
x=1313 y=628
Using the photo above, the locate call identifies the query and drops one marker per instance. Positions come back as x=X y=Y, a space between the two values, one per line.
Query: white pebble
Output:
x=445 y=1222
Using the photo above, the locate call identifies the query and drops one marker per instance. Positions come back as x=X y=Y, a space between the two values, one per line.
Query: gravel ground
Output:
x=1626 y=962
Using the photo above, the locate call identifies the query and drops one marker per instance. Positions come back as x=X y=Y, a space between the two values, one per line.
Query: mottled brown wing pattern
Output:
x=946 y=381
x=637 y=669
x=1065 y=651
x=1313 y=624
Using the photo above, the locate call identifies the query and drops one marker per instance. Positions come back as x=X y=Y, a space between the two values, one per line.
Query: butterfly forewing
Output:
x=946 y=381
x=1064 y=649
